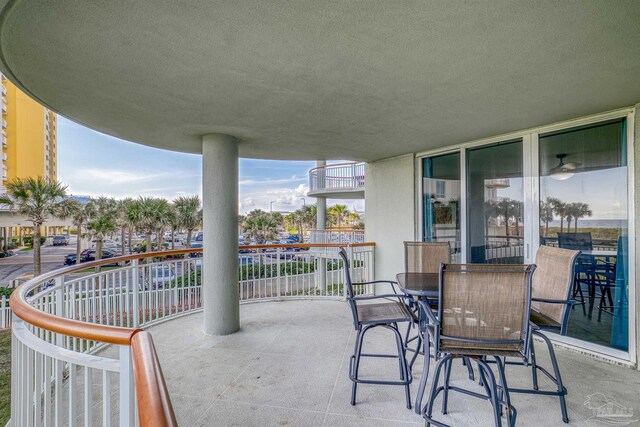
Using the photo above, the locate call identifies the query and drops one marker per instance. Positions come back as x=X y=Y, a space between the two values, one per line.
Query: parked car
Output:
x=90 y=255
x=195 y=245
x=70 y=259
x=60 y=241
x=158 y=276
x=199 y=236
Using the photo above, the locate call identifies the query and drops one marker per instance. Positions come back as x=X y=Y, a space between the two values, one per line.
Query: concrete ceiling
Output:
x=315 y=79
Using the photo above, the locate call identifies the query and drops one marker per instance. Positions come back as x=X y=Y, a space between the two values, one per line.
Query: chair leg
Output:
x=356 y=363
x=466 y=362
x=425 y=374
x=534 y=368
x=445 y=391
x=511 y=411
x=558 y=379
x=417 y=352
x=406 y=335
x=404 y=368
x=493 y=396
x=428 y=411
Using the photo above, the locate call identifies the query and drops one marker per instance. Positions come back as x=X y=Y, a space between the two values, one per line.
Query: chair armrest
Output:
x=554 y=301
x=390 y=282
x=384 y=296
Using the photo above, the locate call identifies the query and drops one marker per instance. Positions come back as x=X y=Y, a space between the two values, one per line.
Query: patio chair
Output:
x=387 y=314
x=483 y=311
x=550 y=309
x=423 y=257
x=580 y=242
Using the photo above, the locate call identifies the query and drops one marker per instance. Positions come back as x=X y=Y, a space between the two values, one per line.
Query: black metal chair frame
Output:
x=537 y=331
x=362 y=327
x=497 y=392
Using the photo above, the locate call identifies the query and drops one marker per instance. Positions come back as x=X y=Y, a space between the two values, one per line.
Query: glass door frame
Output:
x=531 y=173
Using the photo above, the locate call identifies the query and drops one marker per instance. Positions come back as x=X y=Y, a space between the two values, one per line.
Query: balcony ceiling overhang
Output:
x=322 y=80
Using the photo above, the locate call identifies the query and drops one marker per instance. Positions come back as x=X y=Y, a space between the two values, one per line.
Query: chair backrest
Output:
x=553 y=279
x=484 y=308
x=425 y=257
x=575 y=241
x=349 y=287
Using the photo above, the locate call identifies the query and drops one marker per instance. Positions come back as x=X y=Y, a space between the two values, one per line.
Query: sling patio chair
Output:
x=423 y=257
x=369 y=314
x=483 y=312
x=550 y=308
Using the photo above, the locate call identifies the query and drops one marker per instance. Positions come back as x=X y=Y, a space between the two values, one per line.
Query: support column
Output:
x=220 y=224
x=321 y=224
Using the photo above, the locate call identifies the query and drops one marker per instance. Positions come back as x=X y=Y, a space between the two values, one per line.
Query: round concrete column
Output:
x=220 y=226
x=321 y=224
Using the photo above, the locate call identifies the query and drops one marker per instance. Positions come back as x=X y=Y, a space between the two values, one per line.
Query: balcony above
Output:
x=338 y=181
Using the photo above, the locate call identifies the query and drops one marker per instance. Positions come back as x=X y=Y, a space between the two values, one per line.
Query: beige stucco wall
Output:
x=391 y=214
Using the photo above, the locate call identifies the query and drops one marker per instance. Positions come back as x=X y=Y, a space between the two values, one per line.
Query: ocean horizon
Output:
x=594 y=223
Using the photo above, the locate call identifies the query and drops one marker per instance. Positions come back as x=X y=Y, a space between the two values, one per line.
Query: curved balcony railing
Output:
x=337 y=236
x=339 y=177
x=62 y=319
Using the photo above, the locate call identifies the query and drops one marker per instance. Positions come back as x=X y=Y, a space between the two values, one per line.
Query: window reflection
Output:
x=495 y=204
x=441 y=201
x=583 y=205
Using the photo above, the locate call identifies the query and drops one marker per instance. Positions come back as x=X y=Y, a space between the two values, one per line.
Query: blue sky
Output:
x=94 y=164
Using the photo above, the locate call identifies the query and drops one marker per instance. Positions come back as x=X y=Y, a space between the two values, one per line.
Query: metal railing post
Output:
x=127 y=388
x=278 y=273
x=135 y=271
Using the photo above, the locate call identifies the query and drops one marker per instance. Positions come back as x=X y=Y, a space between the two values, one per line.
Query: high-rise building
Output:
x=29 y=136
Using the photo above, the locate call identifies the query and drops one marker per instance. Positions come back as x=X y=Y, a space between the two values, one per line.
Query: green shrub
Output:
x=28 y=240
x=5 y=292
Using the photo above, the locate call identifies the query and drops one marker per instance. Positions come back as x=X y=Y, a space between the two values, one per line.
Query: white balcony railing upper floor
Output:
x=341 y=180
x=61 y=319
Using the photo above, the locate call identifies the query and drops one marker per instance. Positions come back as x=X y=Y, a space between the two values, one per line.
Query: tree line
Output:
x=39 y=199
x=261 y=226
x=570 y=212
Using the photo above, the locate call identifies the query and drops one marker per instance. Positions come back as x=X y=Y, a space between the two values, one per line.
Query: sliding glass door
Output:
x=567 y=188
x=441 y=201
x=495 y=202
x=584 y=206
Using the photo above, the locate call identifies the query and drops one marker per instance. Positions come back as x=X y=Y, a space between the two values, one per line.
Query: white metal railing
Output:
x=58 y=379
x=341 y=176
x=5 y=313
x=347 y=236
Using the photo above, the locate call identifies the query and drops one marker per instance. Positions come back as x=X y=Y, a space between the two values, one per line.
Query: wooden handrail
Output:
x=335 y=164
x=104 y=333
x=154 y=403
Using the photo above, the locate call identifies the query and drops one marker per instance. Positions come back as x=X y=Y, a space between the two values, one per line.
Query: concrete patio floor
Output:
x=288 y=366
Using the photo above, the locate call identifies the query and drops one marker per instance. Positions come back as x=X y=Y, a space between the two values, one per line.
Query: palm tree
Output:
x=505 y=207
x=580 y=211
x=339 y=213
x=172 y=219
x=188 y=214
x=37 y=199
x=546 y=214
x=163 y=219
x=559 y=208
x=123 y=223
x=80 y=213
x=144 y=213
x=260 y=226
x=103 y=221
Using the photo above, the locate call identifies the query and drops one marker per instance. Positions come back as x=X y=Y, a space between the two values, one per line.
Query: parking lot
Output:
x=22 y=262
